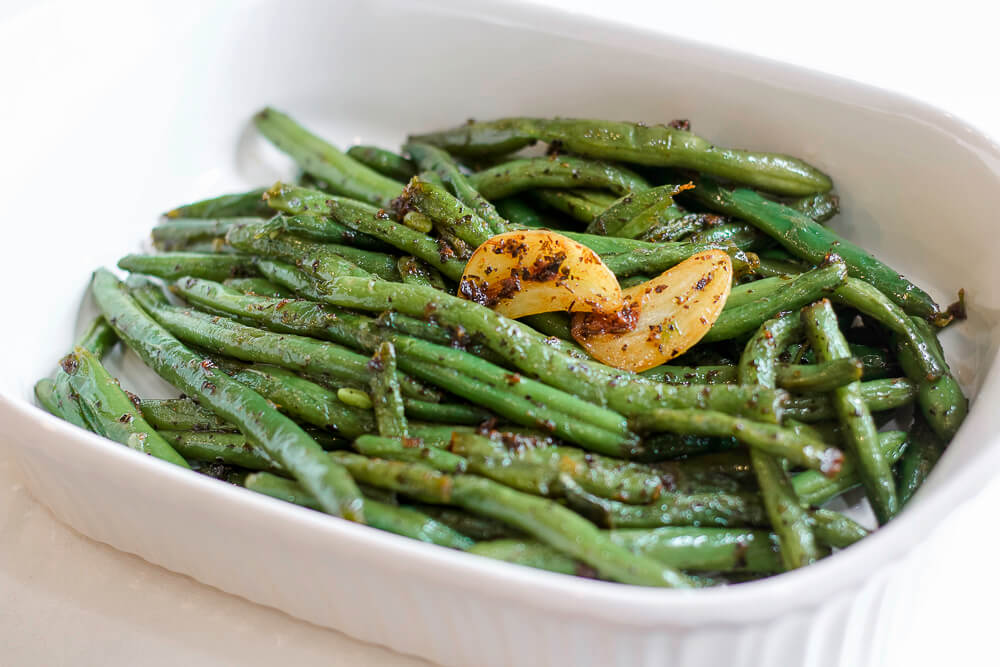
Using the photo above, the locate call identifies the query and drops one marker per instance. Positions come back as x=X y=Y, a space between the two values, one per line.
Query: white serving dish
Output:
x=116 y=120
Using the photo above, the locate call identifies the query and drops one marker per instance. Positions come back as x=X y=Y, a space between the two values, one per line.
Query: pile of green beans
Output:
x=325 y=359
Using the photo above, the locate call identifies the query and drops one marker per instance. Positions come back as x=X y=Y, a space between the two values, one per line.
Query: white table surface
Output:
x=66 y=600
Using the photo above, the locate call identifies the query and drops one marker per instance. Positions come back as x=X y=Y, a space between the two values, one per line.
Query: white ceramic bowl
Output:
x=110 y=126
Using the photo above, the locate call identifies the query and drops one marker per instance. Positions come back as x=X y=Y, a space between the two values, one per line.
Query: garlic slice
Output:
x=538 y=271
x=661 y=318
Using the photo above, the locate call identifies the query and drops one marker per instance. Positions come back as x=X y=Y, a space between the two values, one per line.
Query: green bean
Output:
x=675 y=229
x=660 y=216
x=373 y=222
x=820 y=207
x=257 y=286
x=745 y=293
x=797 y=448
x=422 y=358
x=399 y=520
x=320 y=260
x=522 y=410
x=658 y=146
x=555 y=171
x=431 y=158
x=109 y=411
x=56 y=395
x=323 y=229
x=835 y=529
x=343 y=174
x=795 y=377
x=540 y=467
x=541 y=518
x=516 y=384
x=532 y=554
x=551 y=324
x=416 y=272
x=418 y=328
x=228 y=448
x=213 y=246
x=599 y=197
x=941 y=401
x=227 y=206
x=758 y=365
x=409 y=449
x=651 y=260
x=798 y=292
x=712 y=508
x=860 y=433
x=531 y=352
x=385 y=162
x=45 y=395
x=307 y=355
x=878 y=395
x=176 y=234
x=417 y=221
x=810 y=241
x=182 y=414
x=520 y=213
x=924 y=450
x=825 y=376
x=454 y=213
x=283 y=315
x=390 y=416
x=303 y=400
x=691 y=374
x=568 y=202
x=472 y=526
x=876 y=362
x=863 y=297
x=636 y=257
x=173 y=265
x=251 y=413
x=743 y=236
x=815 y=489
x=611 y=221
x=704 y=549
x=314 y=319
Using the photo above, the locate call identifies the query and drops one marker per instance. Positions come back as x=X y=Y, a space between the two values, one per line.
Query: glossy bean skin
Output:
x=656 y=145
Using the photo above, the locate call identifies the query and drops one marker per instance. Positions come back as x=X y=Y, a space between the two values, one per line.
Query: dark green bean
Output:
x=810 y=241
x=174 y=265
x=924 y=449
x=399 y=520
x=409 y=449
x=227 y=206
x=541 y=518
x=390 y=416
x=860 y=433
x=555 y=171
x=657 y=145
x=878 y=395
x=758 y=366
x=725 y=510
x=798 y=292
x=431 y=158
x=343 y=174
x=941 y=401
x=109 y=411
x=814 y=488
x=797 y=448
x=251 y=413
x=385 y=162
